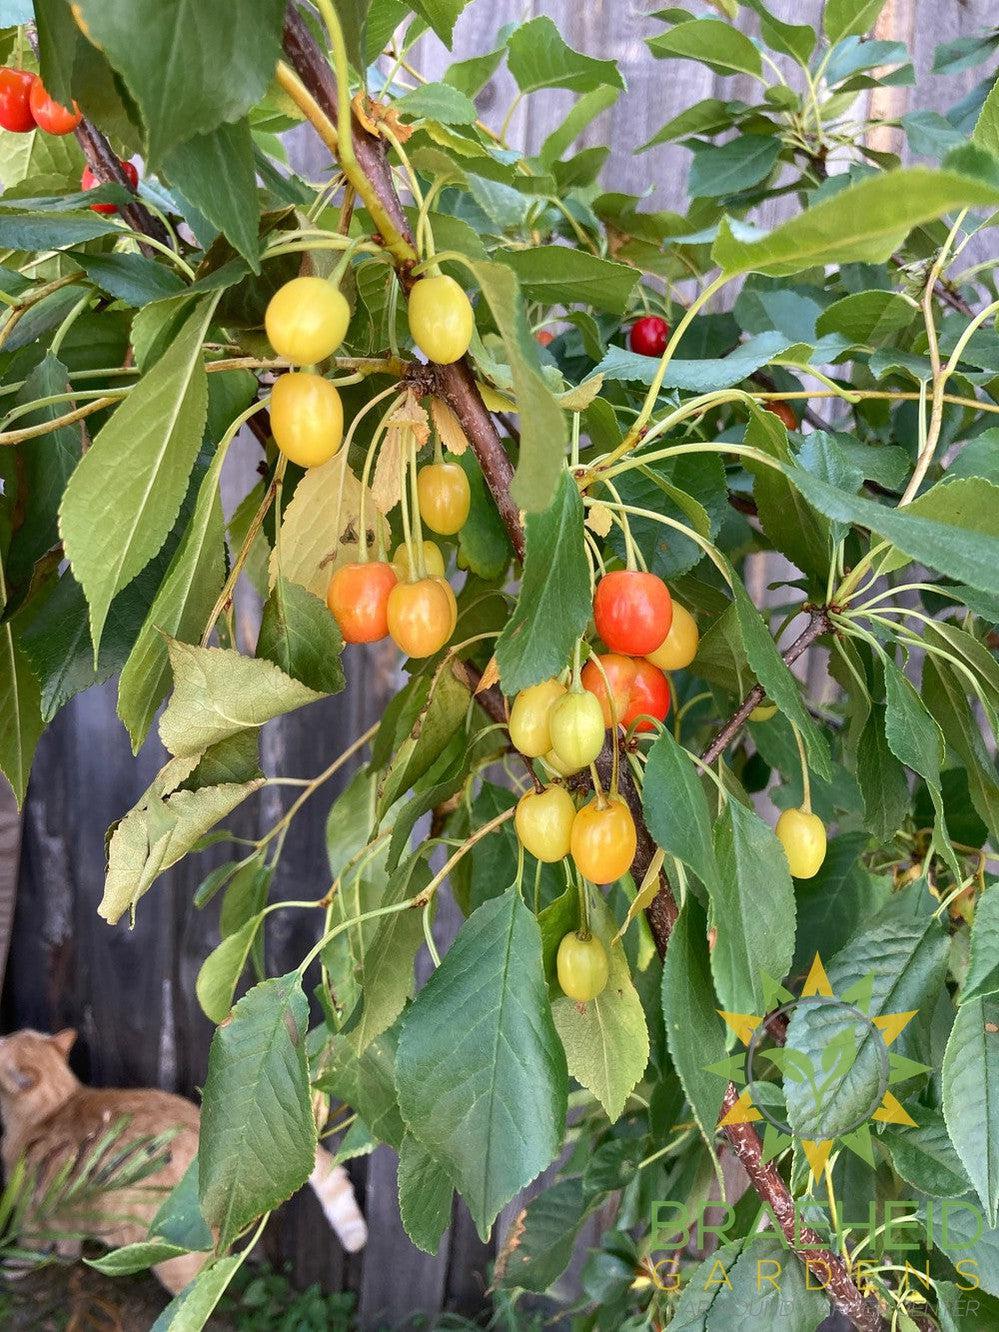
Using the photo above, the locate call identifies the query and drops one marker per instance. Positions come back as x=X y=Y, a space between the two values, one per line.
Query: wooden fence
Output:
x=131 y=993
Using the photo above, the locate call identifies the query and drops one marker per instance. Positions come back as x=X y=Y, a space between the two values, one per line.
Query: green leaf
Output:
x=38 y=472
x=863 y=223
x=946 y=695
x=218 y=692
x=882 y=779
x=425 y=1195
x=219 y=974
x=482 y=1026
x=753 y=910
x=180 y=610
x=483 y=544
x=367 y=1083
x=694 y=1032
x=191 y=1309
x=57 y=42
x=732 y=1289
x=21 y=722
x=728 y=168
x=440 y=102
x=537 y=57
x=581 y=114
x=298 y=634
x=441 y=15
x=554 y=606
x=542 y=434
x=433 y=729
x=160 y=830
x=258 y=1136
x=775 y=676
x=983 y=968
x=51 y=231
x=790 y=523
x=130 y=278
x=353 y=16
x=871 y=318
x=906 y=954
x=136 y=1257
x=696 y=376
x=833 y=905
x=215 y=172
x=189 y=68
x=546 y=1236
x=924 y=1156
x=559 y=275
x=969 y=556
x=178 y=1218
x=606 y=1040
x=386 y=966
x=676 y=808
x=710 y=42
x=849 y=18
x=794 y=39
x=986 y=131
x=111 y=532
x=917 y=741
x=970 y=1095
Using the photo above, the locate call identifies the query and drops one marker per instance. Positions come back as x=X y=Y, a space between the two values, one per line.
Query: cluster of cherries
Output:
x=647 y=631
x=408 y=598
x=26 y=106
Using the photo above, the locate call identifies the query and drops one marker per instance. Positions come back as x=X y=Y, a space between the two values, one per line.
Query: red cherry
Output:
x=633 y=611
x=89 y=181
x=545 y=337
x=649 y=335
x=15 y=94
x=50 y=115
x=650 y=694
x=784 y=412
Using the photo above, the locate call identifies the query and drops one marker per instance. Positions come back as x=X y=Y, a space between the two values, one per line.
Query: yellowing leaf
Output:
x=599 y=519
x=448 y=427
x=579 y=398
x=320 y=527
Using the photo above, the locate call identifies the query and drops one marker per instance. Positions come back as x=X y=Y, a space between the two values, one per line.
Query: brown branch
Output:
x=108 y=169
x=457 y=386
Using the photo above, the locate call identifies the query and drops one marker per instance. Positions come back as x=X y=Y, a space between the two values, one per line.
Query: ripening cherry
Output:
x=545 y=337
x=421 y=616
x=445 y=497
x=679 y=648
x=582 y=966
x=307 y=320
x=604 y=840
x=15 y=100
x=441 y=319
x=306 y=418
x=358 y=597
x=637 y=689
x=50 y=115
x=649 y=335
x=88 y=181
x=530 y=731
x=803 y=837
x=433 y=561
x=544 y=820
x=576 y=724
x=785 y=413
x=632 y=611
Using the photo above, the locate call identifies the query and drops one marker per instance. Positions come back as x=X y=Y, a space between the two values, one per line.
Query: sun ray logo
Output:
x=835 y=1064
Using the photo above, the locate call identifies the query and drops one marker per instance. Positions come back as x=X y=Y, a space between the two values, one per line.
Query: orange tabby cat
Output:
x=49 y=1117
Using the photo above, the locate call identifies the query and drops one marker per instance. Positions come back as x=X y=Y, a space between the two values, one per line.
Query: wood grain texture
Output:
x=131 y=992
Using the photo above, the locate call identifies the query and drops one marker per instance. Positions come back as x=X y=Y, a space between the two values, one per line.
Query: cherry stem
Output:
x=806 y=784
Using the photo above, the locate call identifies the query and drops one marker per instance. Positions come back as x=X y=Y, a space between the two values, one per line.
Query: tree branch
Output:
x=456 y=385
x=107 y=168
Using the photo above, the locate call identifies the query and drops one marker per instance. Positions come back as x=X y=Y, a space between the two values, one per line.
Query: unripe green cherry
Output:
x=576 y=724
x=529 y=728
x=544 y=822
x=582 y=967
x=763 y=711
x=803 y=837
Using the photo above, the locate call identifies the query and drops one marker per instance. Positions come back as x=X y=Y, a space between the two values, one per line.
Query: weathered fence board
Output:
x=131 y=993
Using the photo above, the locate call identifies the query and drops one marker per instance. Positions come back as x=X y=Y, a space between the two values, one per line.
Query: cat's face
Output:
x=31 y=1066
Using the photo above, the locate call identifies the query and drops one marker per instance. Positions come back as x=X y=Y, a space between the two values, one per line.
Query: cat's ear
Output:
x=64 y=1040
